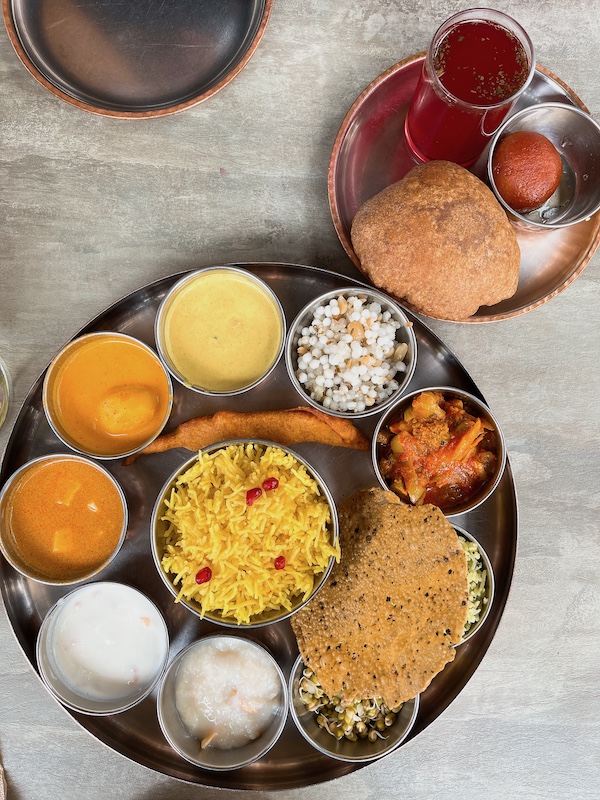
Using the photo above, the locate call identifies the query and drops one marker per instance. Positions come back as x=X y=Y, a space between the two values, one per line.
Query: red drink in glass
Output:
x=479 y=62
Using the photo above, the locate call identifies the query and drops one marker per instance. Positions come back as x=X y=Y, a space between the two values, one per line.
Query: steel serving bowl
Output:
x=576 y=136
x=489 y=587
x=4 y=392
x=343 y=749
x=8 y=545
x=103 y=642
x=159 y=527
x=474 y=406
x=168 y=309
x=53 y=372
x=299 y=328
x=188 y=746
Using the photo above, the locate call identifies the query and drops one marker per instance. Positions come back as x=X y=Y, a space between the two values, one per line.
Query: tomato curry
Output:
x=438 y=452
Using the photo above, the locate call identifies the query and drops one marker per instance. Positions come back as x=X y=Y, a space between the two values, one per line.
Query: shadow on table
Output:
x=185 y=791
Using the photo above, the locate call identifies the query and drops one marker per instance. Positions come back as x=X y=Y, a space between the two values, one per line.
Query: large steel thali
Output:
x=136 y=733
x=370 y=152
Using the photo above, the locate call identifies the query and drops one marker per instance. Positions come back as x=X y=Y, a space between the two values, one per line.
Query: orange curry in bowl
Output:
x=437 y=452
x=107 y=395
x=62 y=519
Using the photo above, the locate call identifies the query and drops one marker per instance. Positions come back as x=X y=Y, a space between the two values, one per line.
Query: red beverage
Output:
x=476 y=67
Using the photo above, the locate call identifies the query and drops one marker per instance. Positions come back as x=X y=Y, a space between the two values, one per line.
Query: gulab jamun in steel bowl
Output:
x=544 y=166
x=439 y=445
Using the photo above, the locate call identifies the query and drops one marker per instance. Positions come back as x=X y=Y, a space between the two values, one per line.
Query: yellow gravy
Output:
x=222 y=331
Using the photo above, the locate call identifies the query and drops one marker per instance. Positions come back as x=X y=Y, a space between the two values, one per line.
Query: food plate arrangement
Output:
x=136 y=733
x=370 y=152
x=137 y=60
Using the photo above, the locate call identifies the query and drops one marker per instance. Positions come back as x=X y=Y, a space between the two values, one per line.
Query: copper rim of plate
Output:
x=27 y=38
x=507 y=309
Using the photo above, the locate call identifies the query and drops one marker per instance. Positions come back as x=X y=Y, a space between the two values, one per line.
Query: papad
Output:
x=386 y=621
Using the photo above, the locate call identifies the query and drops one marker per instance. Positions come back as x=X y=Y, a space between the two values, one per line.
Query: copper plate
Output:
x=136 y=733
x=370 y=153
x=137 y=59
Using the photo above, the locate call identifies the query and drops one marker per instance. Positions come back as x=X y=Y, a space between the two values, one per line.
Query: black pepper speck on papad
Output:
x=385 y=622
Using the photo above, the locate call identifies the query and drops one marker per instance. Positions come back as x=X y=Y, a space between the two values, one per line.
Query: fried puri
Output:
x=439 y=240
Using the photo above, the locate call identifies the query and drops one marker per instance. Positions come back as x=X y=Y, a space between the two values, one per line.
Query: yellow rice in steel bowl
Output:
x=249 y=533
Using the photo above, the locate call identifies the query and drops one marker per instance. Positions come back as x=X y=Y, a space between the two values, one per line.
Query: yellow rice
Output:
x=211 y=525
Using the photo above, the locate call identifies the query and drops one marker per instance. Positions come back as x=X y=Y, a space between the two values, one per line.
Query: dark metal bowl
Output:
x=138 y=59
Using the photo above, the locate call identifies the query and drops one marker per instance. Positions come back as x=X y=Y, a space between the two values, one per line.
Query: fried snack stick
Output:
x=287 y=426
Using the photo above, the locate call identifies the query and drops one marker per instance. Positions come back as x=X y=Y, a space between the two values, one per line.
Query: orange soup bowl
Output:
x=63 y=519
x=107 y=395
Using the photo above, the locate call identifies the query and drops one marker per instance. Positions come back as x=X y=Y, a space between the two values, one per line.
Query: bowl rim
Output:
x=168 y=298
x=115 y=708
x=378 y=296
x=5 y=392
x=77 y=342
x=482 y=406
x=529 y=111
x=174 y=665
x=55 y=457
x=294 y=673
x=491 y=582
x=154 y=520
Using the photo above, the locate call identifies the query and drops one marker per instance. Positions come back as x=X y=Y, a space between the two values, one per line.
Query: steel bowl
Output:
x=489 y=588
x=187 y=745
x=125 y=695
x=9 y=547
x=159 y=526
x=167 y=305
x=576 y=136
x=4 y=393
x=54 y=370
x=343 y=749
x=404 y=335
x=477 y=408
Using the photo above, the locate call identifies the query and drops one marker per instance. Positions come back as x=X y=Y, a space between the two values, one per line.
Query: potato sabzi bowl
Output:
x=439 y=445
x=135 y=734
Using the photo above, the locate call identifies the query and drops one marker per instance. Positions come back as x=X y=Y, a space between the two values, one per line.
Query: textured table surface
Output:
x=92 y=208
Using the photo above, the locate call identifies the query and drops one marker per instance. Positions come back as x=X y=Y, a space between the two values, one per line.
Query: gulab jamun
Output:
x=527 y=169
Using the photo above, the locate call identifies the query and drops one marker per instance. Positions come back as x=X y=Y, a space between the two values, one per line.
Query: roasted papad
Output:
x=386 y=621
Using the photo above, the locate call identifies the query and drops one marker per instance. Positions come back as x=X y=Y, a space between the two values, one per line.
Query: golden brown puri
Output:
x=439 y=240
x=387 y=618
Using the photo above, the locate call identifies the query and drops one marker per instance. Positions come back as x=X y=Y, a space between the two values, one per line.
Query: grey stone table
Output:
x=92 y=208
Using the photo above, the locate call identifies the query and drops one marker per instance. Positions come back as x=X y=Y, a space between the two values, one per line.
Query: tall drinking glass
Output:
x=4 y=392
x=478 y=64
